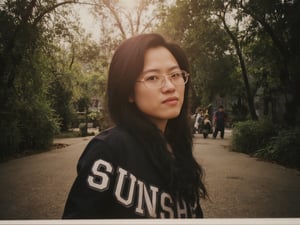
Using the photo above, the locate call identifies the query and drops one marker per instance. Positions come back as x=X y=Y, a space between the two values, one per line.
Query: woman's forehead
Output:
x=159 y=58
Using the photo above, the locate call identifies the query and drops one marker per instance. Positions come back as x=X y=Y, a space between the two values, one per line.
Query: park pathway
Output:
x=36 y=186
x=241 y=186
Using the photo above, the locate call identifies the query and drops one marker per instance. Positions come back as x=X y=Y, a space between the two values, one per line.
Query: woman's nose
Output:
x=168 y=84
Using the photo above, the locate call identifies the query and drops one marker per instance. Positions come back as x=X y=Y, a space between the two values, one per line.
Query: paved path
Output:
x=241 y=186
x=36 y=187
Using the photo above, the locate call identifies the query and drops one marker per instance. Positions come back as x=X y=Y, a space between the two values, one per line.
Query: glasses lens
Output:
x=179 y=78
x=153 y=81
x=157 y=81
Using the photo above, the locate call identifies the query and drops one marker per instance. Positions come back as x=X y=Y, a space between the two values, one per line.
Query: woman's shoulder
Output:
x=113 y=135
x=107 y=145
x=110 y=140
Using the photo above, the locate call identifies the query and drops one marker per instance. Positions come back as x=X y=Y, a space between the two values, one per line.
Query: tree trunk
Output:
x=249 y=95
x=289 y=88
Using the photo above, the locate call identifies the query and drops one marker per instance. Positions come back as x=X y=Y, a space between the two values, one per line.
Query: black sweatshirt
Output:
x=116 y=179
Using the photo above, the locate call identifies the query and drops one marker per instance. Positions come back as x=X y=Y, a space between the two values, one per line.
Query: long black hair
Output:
x=181 y=171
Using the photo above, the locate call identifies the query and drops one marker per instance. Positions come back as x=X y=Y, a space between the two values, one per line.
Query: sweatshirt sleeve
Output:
x=92 y=190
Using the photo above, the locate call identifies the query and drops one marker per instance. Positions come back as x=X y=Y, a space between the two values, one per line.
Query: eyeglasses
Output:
x=153 y=80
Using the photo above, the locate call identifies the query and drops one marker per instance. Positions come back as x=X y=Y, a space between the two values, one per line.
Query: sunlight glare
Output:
x=129 y=4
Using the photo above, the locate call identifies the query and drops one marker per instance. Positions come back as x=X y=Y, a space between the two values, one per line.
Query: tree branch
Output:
x=50 y=9
x=116 y=17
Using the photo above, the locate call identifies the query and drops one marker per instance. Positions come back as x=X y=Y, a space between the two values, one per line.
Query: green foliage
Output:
x=38 y=125
x=61 y=97
x=26 y=53
x=239 y=112
x=263 y=140
x=248 y=136
x=283 y=149
x=191 y=24
x=261 y=39
x=10 y=137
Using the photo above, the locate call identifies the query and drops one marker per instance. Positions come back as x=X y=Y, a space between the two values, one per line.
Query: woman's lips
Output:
x=170 y=101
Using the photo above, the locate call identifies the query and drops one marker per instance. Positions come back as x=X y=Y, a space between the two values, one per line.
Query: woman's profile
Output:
x=143 y=167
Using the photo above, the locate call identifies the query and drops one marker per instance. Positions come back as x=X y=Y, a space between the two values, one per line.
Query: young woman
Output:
x=144 y=166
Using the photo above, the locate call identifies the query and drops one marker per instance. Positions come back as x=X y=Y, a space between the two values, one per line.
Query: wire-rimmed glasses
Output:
x=155 y=80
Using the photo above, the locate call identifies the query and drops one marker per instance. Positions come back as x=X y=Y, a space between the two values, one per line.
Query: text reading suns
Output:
x=145 y=199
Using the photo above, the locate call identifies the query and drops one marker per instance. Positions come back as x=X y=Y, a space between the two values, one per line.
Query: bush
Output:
x=248 y=136
x=283 y=149
x=38 y=125
x=10 y=136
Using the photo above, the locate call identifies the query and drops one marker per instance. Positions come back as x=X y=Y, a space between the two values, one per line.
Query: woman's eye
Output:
x=151 y=78
x=175 y=75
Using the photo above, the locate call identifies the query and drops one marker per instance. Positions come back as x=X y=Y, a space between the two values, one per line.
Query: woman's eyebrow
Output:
x=173 y=68
x=158 y=70
x=150 y=71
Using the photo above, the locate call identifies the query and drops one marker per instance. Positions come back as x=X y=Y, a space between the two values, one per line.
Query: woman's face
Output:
x=160 y=103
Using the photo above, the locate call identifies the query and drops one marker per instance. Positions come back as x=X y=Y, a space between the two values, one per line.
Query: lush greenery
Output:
x=41 y=77
x=249 y=136
x=267 y=141
x=283 y=148
x=243 y=54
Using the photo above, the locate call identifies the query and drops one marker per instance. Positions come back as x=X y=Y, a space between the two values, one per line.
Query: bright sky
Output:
x=129 y=4
x=89 y=22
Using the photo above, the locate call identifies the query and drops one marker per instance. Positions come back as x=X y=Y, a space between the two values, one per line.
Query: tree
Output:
x=280 y=20
x=190 y=24
x=26 y=33
x=230 y=17
x=121 y=19
x=21 y=28
x=263 y=37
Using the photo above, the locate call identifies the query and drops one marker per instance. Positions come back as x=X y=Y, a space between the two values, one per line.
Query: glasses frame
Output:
x=184 y=73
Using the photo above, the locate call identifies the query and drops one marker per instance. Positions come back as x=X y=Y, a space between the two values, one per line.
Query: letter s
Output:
x=100 y=179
